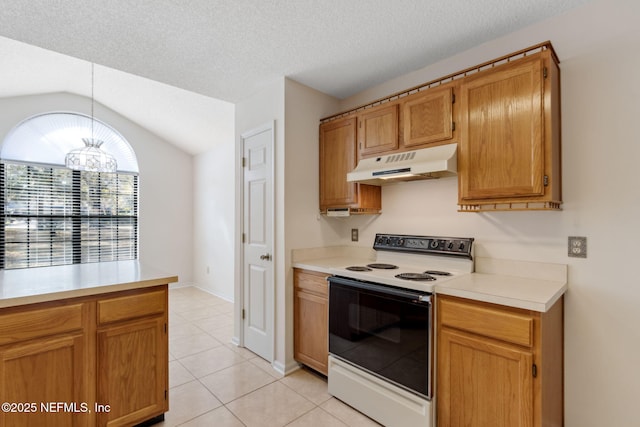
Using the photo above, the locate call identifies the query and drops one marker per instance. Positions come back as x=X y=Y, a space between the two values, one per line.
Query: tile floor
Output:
x=214 y=383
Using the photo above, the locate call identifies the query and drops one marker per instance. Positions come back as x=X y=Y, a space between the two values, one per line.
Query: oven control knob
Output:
x=401 y=242
x=461 y=247
x=450 y=245
x=433 y=244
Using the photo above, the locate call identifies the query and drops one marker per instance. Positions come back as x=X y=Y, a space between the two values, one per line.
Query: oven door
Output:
x=384 y=330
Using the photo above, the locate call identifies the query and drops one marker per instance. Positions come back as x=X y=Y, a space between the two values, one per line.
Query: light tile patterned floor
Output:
x=214 y=383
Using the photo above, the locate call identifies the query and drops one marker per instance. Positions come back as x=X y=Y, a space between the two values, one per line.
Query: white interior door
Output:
x=258 y=287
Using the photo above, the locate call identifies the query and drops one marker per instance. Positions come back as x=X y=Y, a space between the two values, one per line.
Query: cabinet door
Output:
x=132 y=371
x=44 y=372
x=482 y=383
x=337 y=158
x=428 y=117
x=311 y=328
x=378 y=130
x=502 y=134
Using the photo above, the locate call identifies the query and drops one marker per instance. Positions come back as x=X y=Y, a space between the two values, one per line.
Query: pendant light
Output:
x=90 y=157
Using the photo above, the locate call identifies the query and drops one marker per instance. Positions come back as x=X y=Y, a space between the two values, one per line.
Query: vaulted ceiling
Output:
x=164 y=63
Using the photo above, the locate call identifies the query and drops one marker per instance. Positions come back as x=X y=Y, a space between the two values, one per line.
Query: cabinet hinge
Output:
x=534 y=370
x=165 y=328
x=243 y=314
x=453 y=98
x=545 y=180
x=165 y=395
x=544 y=72
x=244 y=238
x=453 y=126
x=244 y=162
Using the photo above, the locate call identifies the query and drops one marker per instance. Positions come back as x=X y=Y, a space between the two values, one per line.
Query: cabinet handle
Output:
x=534 y=370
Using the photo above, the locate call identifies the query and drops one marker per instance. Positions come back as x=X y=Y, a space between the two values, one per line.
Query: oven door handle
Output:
x=413 y=296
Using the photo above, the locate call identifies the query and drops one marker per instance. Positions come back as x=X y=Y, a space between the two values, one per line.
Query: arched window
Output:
x=53 y=215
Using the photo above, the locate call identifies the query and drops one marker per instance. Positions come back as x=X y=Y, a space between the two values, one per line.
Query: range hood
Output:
x=426 y=163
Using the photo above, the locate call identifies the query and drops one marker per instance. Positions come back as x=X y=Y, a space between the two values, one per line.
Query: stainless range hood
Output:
x=426 y=163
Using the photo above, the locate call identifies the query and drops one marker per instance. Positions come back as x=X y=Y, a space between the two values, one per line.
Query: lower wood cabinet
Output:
x=311 y=321
x=498 y=366
x=89 y=361
x=132 y=358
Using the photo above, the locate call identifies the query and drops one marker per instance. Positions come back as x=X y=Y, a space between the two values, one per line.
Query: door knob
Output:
x=265 y=257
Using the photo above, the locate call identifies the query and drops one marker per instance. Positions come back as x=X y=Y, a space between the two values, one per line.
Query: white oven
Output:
x=381 y=326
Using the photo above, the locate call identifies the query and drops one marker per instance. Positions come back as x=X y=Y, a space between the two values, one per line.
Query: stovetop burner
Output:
x=358 y=268
x=437 y=273
x=383 y=266
x=415 y=276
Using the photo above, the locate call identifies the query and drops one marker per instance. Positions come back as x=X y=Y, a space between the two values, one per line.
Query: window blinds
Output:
x=55 y=216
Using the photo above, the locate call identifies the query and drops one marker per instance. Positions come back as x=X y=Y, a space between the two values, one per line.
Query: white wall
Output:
x=598 y=47
x=165 y=183
x=214 y=219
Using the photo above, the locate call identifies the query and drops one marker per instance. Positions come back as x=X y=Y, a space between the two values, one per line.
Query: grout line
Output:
x=192 y=296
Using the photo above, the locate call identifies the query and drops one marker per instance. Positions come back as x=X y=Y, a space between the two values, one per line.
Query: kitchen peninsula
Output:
x=91 y=338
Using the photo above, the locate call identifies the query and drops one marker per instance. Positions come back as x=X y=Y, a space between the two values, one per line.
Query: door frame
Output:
x=239 y=294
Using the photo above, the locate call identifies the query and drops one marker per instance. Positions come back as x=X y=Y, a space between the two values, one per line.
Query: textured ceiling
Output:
x=227 y=50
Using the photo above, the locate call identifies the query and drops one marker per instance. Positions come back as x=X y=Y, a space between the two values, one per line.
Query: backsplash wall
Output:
x=430 y=208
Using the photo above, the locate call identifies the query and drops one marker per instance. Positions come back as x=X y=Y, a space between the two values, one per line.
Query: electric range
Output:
x=381 y=325
x=414 y=262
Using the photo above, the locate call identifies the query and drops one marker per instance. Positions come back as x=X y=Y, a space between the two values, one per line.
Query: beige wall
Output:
x=214 y=219
x=266 y=106
x=598 y=47
x=296 y=110
x=303 y=226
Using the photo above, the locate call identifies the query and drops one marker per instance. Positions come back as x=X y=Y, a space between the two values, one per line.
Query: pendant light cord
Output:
x=92 y=99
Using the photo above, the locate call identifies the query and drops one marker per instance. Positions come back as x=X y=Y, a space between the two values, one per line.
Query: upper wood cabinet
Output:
x=428 y=117
x=504 y=114
x=415 y=121
x=338 y=156
x=509 y=154
x=378 y=130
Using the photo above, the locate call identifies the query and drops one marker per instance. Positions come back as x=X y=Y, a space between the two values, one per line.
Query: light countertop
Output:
x=529 y=294
x=528 y=285
x=33 y=285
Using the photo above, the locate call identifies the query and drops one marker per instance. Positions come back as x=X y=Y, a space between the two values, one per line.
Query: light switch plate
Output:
x=354 y=234
x=577 y=247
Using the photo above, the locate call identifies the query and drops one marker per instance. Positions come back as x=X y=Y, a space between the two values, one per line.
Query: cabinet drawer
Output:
x=25 y=325
x=131 y=306
x=493 y=322
x=311 y=281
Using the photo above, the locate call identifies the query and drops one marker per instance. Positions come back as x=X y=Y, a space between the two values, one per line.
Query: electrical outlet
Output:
x=577 y=247
x=354 y=234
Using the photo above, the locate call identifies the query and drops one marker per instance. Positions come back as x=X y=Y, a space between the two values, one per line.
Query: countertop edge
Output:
x=45 y=284
x=503 y=300
x=84 y=292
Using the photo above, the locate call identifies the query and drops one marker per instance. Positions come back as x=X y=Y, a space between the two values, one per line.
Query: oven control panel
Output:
x=453 y=246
